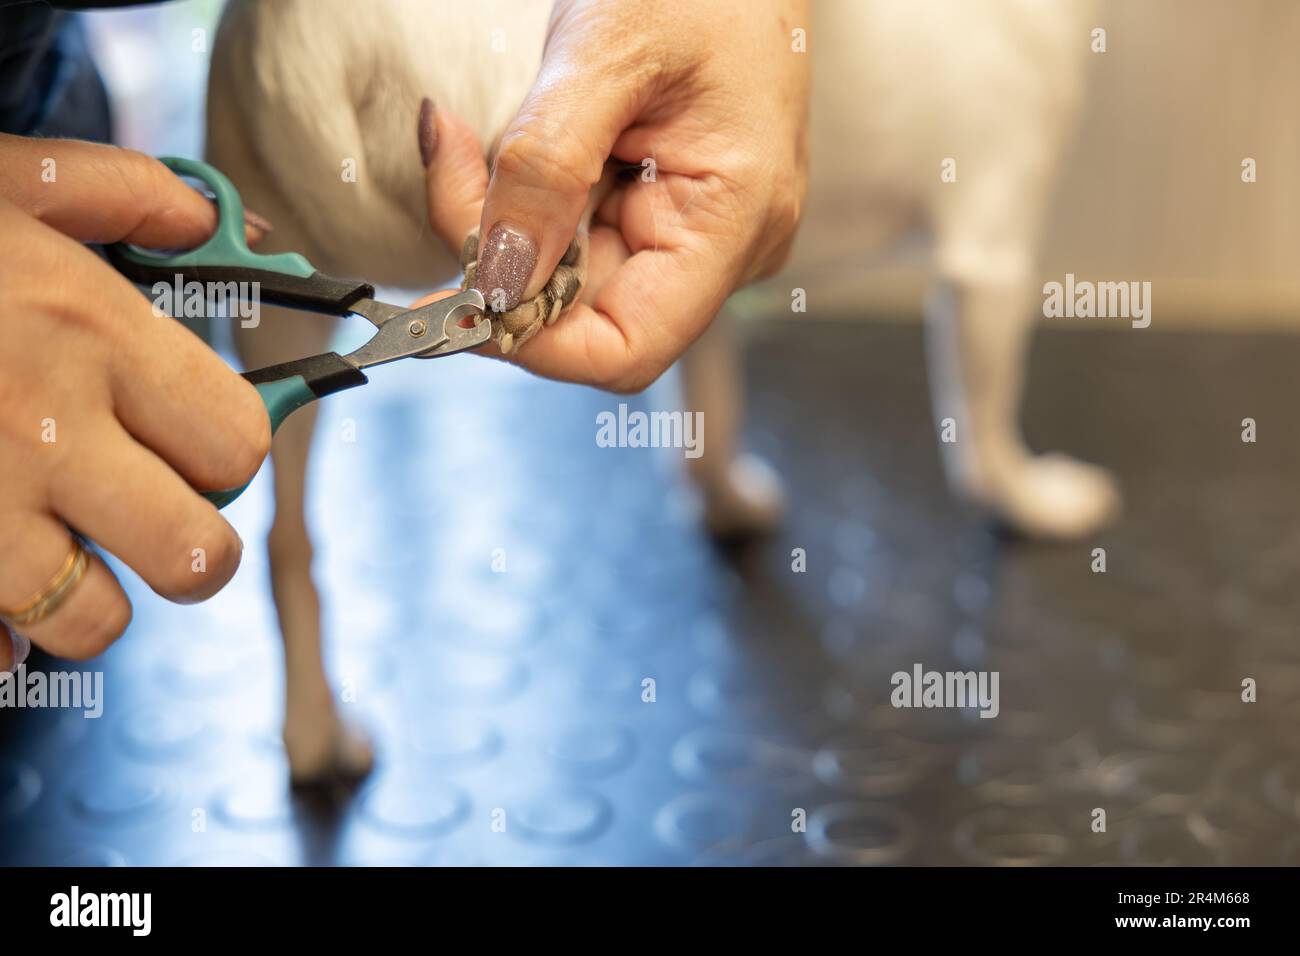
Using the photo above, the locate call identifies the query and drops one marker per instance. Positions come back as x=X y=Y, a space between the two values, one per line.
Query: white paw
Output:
x=748 y=498
x=326 y=750
x=1055 y=497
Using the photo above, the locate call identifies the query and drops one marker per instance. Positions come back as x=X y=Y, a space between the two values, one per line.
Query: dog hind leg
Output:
x=976 y=337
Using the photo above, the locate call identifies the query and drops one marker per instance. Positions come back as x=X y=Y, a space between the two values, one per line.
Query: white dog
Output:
x=298 y=87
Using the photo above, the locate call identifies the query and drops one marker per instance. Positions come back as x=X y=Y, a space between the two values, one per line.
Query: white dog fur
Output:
x=299 y=86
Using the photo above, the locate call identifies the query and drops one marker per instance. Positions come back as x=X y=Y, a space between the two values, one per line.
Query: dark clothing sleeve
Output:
x=48 y=82
x=77 y=4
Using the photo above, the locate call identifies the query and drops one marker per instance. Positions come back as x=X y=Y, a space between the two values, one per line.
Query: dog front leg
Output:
x=320 y=746
x=742 y=493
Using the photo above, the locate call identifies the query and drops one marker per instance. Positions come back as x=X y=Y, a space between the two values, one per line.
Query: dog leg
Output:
x=977 y=337
x=742 y=492
x=320 y=746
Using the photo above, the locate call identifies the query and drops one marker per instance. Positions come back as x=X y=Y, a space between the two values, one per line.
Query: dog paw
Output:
x=745 y=500
x=511 y=329
x=328 y=752
x=1055 y=497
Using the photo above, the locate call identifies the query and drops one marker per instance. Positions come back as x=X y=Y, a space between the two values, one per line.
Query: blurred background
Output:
x=1150 y=184
x=523 y=691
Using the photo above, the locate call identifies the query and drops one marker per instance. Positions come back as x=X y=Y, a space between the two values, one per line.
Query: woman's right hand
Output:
x=110 y=416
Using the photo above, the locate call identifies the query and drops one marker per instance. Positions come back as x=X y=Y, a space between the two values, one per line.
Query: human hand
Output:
x=109 y=415
x=707 y=102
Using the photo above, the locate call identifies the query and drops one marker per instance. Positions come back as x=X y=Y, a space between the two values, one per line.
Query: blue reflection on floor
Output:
x=509 y=710
x=488 y=690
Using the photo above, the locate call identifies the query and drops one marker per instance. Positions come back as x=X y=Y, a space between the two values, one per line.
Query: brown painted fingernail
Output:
x=428 y=132
x=505 y=263
x=257 y=222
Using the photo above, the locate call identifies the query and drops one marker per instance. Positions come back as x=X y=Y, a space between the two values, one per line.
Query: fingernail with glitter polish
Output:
x=428 y=132
x=21 y=647
x=505 y=263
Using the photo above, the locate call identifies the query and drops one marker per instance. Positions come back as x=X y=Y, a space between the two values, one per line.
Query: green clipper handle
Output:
x=287 y=387
x=285 y=278
x=227 y=248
